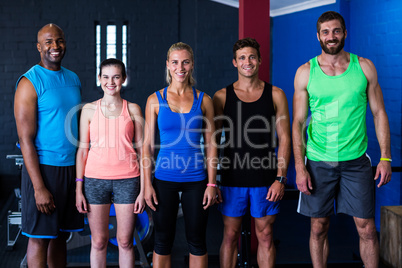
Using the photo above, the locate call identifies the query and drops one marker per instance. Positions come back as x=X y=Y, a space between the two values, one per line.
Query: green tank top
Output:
x=338 y=104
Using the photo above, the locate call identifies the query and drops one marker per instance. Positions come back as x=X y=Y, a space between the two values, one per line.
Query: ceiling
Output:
x=282 y=7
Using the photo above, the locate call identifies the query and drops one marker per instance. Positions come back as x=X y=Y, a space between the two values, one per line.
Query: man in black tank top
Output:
x=254 y=117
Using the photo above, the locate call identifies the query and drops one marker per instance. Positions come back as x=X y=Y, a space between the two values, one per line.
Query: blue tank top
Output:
x=59 y=96
x=180 y=158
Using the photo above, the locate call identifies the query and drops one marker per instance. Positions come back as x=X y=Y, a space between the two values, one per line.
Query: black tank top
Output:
x=249 y=158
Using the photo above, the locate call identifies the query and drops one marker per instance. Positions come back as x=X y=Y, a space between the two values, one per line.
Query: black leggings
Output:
x=195 y=217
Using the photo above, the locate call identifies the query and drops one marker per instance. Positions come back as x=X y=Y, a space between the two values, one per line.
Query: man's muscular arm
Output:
x=25 y=108
x=282 y=126
x=381 y=124
x=300 y=111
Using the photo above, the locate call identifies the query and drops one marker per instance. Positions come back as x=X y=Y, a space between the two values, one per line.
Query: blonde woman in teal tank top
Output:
x=180 y=111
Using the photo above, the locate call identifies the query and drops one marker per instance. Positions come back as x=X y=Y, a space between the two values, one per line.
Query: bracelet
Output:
x=212 y=185
x=385 y=159
x=78 y=179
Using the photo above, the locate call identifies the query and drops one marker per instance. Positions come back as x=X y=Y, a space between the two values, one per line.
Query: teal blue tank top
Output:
x=180 y=157
x=59 y=97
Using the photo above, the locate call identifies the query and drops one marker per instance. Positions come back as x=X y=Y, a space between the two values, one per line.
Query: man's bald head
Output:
x=51 y=46
x=49 y=27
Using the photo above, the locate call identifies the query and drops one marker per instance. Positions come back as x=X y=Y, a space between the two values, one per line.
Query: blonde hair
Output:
x=175 y=47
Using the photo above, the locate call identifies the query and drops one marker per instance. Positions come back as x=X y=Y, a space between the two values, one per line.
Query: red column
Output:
x=254 y=22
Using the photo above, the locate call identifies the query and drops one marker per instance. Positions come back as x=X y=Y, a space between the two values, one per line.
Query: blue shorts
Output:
x=236 y=200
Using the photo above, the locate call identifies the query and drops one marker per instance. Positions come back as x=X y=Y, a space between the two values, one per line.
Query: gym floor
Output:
x=291 y=234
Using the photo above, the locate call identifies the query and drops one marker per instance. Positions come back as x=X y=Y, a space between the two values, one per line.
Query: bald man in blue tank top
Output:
x=45 y=100
x=252 y=113
x=336 y=175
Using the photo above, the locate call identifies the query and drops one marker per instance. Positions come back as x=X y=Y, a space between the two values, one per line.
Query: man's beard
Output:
x=333 y=50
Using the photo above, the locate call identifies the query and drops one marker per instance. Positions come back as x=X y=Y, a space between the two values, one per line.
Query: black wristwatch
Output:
x=281 y=179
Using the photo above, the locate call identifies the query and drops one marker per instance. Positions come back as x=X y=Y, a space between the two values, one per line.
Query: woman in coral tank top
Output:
x=107 y=165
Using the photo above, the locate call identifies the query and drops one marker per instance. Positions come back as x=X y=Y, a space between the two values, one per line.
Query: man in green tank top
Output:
x=336 y=86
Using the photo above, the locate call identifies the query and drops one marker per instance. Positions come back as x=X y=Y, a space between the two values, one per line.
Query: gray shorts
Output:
x=341 y=187
x=101 y=192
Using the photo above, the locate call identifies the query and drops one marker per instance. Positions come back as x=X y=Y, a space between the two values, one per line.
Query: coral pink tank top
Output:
x=111 y=155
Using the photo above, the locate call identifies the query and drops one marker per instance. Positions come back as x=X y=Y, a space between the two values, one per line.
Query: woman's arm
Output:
x=151 y=114
x=138 y=120
x=82 y=155
x=210 y=149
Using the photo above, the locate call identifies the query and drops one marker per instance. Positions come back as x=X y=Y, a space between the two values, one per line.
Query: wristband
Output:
x=212 y=185
x=385 y=159
x=78 y=179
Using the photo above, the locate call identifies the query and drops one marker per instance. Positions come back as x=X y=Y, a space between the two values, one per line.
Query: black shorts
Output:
x=60 y=182
x=342 y=187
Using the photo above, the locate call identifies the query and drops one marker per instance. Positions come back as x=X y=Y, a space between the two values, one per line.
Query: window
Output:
x=98 y=52
x=111 y=42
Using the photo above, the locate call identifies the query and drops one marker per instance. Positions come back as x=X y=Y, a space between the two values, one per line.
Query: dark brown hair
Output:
x=113 y=62
x=330 y=15
x=246 y=42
